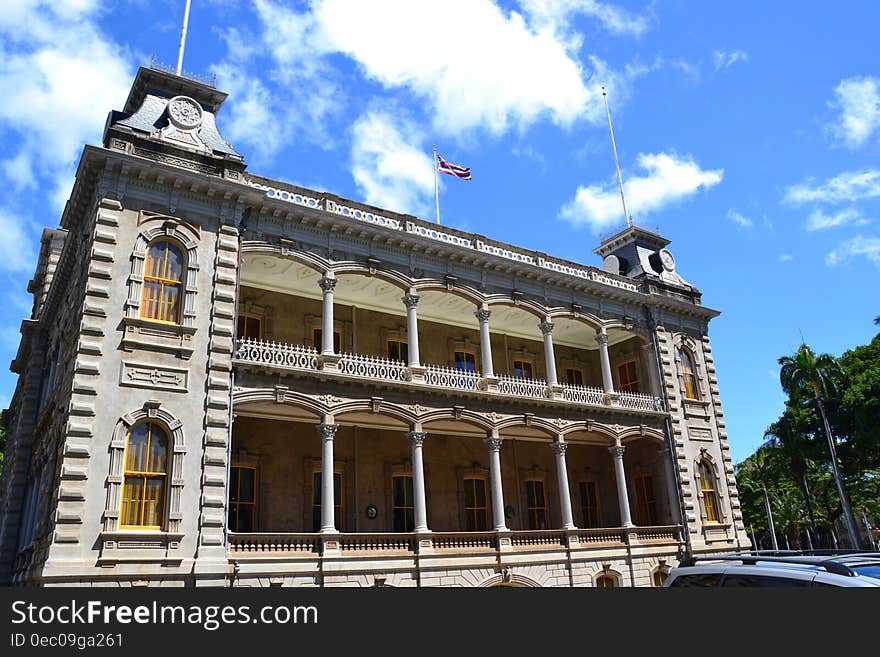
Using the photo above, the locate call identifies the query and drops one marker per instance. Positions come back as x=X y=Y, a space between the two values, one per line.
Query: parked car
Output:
x=777 y=570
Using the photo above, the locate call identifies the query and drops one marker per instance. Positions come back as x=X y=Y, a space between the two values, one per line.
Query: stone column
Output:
x=651 y=365
x=607 y=380
x=671 y=486
x=328 y=432
x=327 y=284
x=485 y=343
x=547 y=329
x=622 y=496
x=411 y=301
x=416 y=438
x=559 y=446
x=494 y=442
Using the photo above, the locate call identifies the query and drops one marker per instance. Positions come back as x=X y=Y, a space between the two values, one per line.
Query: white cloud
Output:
x=389 y=165
x=16 y=251
x=858 y=100
x=669 y=178
x=785 y=257
x=846 y=187
x=59 y=79
x=555 y=14
x=727 y=58
x=818 y=220
x=739 y=219
x=857 y=246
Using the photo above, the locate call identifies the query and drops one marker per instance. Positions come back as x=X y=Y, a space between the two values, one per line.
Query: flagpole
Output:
x=616 y=161
x=436 y=185
x=182 y=38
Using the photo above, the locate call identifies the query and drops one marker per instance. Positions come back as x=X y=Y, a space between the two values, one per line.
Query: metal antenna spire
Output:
x=616 y=160
x=182 y=39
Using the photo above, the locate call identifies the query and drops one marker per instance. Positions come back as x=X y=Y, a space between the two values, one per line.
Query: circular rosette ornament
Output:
x=184 y=112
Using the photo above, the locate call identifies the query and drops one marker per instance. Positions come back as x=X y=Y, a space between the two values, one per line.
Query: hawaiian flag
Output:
x=453 y=169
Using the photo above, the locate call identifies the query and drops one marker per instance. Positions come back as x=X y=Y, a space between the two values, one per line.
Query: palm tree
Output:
x=760 y=467
x=805 y=370
x=795 y=448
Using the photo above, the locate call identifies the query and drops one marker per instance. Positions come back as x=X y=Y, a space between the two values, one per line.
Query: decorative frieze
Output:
x=138 y=375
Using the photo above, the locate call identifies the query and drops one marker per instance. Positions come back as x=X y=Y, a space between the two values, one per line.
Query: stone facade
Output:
x=317 y=339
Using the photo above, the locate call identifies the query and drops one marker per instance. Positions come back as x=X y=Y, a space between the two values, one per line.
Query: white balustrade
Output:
x=508 y=385
x=277 y=354
x=446 y=377
x=638 y=401
x=583 y=395
x=371 y=367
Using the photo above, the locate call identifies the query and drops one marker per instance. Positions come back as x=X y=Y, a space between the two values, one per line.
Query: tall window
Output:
x=398 y=350
x=536 y=504
x=250 y=327
x=318 y=340
x=689 y=378
x=465 y=361
x=659 y=577
x=316 y=501
x=647 y=505
x=574 y=377
x=146 y=477
x=163 y=282
x=476 y=508
x=402 y=505
x=628 y=377
x=242 y=499
x=605 y=582
x=522 y=369
x=710 y=495
x=589 y=503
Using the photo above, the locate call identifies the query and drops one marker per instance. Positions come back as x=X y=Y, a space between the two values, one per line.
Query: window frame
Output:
x=318 y=344
x=402 y=347
x=254 y=504
x=466 y=353
x=180 y=284
x=533 y=513
x=584 y=508
x=687 y=363
x=523 y=362
x=145 y=476
x=569 y=371
x=649 y=505
x=609 y=581
x=631 y=385
x=475 y=509
x=707 y=486
x=411 y=507
x=245 y=317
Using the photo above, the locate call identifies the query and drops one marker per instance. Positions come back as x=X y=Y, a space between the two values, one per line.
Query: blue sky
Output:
x=749 y=134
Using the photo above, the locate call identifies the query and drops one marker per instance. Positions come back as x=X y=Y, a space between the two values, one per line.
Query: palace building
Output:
x=228 y=380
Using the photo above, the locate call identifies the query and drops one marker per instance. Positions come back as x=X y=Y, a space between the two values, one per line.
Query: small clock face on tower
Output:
x=185 y=113
x=667 y=260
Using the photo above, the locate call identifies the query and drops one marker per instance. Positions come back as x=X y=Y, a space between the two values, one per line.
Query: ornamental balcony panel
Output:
x=583 y=395
x=638 y=401
x=508 y=385
x=371 y=367
x=274 y=354
x=446 y=377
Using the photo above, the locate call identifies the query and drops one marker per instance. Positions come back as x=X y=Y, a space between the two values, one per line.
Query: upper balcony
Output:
x=357 y=325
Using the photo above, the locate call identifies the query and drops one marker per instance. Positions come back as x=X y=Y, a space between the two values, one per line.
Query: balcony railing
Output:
x=508 y=385
x=371 y=367
x=258 y=545
x=445 y=377
x=296 y=357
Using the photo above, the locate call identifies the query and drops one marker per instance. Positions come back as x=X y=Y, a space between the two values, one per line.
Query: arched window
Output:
x=605 y=582
x=688 y=375
x=145 y=478
x=163 y=282
x=710 y=495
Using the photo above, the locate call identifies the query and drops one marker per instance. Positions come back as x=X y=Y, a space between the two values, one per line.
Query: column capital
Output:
x=410 y=300
x=327 y=284
x=416 y=438
x=327 y=431
x=546 y=327
x=558 y=446
x=494 y=443
x=617 y=451
x=602 y=337
x=483 y=314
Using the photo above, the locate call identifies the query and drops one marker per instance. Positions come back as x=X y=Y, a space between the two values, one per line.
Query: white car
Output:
x=777 y=570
